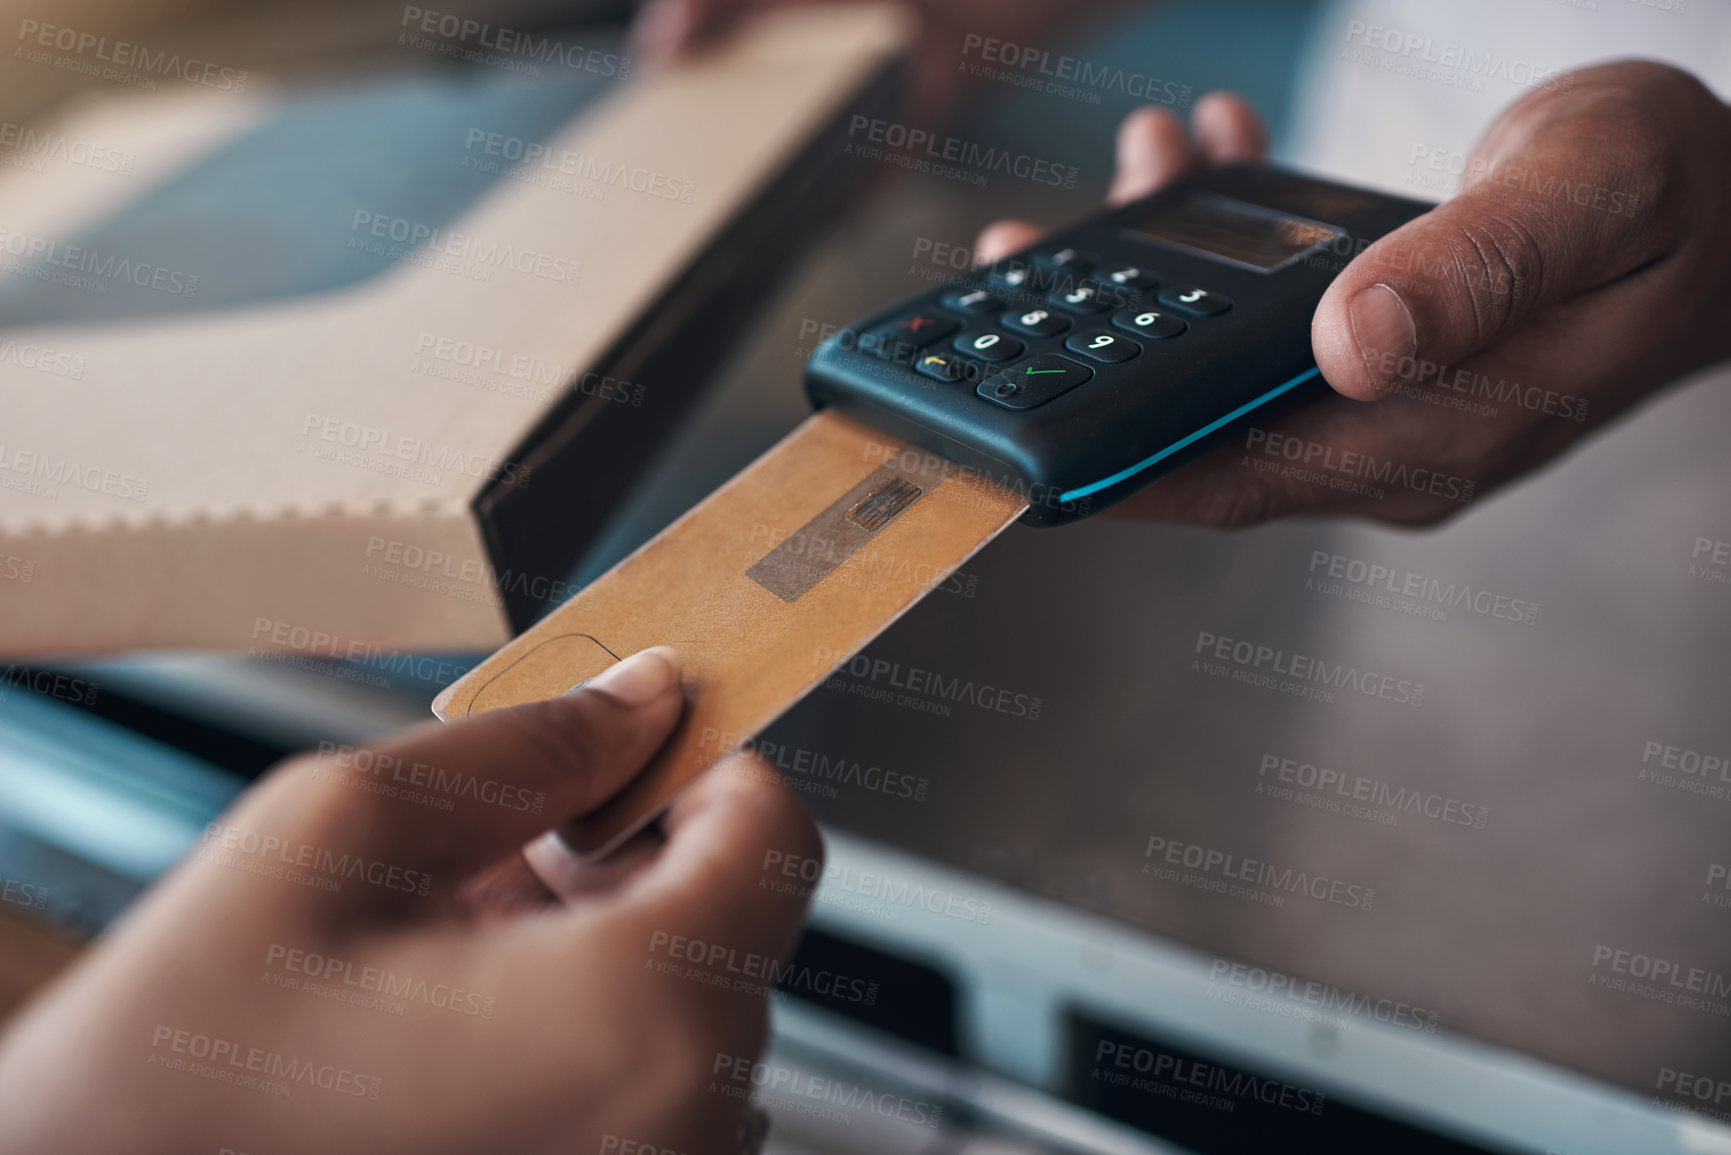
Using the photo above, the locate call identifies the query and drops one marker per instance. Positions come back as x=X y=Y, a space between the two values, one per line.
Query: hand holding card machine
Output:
x=1113 y=351
x=1058 y=381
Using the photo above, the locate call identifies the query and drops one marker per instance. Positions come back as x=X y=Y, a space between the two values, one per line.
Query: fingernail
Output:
x=1383 y=328
x=640 y=679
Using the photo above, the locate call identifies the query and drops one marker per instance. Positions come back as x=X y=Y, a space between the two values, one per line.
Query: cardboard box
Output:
x=385 y=431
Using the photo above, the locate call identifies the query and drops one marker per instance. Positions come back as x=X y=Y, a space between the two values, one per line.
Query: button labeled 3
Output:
x=1196 y=301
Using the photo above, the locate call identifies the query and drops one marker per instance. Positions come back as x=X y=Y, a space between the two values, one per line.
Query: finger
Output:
x=1228 y=129
x=1153 y=149
x=1465 y=275
x=570 y=877
x=710 y=880
x=667 y=28
x=506 y=775
x=1001 y=238
x=662 y=29
x=505 y=889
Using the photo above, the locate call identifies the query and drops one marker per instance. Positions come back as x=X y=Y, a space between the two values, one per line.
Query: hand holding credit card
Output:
x=1056 y=382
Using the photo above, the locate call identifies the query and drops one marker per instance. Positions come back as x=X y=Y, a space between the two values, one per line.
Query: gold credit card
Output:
x=764 y=588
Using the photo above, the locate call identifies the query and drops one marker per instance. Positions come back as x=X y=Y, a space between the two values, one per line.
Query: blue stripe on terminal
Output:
x=1122 y=474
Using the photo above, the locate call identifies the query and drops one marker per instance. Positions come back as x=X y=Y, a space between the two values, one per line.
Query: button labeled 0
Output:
x=989 y=345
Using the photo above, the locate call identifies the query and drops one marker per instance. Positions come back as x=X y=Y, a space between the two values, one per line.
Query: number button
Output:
x=1072 y=259
x=1035 y=322
x=1102 y=346
x=1150 y=323
x=1011 y=277
x=897 y=340
x=975 y=303
x=1132 y=277
x=941 y=366
x=1196 y=301
x=1082 y=299
x=1034 y=383
x=989 y=345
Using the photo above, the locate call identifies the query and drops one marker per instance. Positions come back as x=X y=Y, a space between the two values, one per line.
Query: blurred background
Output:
x=1462 y=1011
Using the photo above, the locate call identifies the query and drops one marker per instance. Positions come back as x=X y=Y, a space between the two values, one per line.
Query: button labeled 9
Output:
x=1100 y=345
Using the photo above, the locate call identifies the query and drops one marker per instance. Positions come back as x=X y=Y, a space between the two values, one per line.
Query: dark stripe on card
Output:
x=822 y=544
x=880 y=508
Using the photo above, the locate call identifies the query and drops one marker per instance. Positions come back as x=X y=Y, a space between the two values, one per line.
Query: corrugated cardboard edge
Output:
x=217 y=583
x=247 y=579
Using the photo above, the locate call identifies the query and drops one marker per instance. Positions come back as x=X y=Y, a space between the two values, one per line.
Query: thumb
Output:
x=443 y=802
x=1536 y=228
